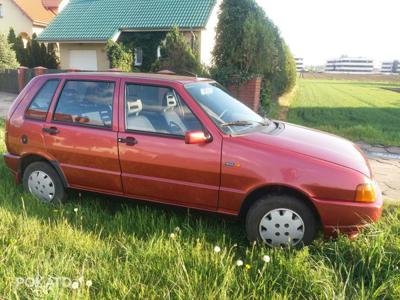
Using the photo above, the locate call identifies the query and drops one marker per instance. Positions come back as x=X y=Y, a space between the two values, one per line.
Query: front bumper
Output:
x=348 y=217
x=13 y=163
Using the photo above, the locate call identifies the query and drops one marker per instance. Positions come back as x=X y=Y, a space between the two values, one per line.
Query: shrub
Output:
x=120 y=57
x=7 y=55
x=177 y=55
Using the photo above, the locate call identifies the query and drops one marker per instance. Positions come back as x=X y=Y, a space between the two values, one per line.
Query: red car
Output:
x=187 y=142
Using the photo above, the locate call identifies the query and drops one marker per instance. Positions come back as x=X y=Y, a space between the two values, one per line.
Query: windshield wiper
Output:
x=240 y=123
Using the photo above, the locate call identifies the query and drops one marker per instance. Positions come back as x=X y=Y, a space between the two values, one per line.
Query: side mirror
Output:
x=197 y=137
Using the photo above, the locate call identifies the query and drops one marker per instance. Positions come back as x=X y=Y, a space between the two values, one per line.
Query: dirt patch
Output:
x=355 y=77
x=387 y=173
x=397 y=90
x=6 y=99
x=284 y=103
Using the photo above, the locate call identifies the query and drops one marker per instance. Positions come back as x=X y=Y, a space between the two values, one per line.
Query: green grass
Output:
x=360 y=111
x=126 y=250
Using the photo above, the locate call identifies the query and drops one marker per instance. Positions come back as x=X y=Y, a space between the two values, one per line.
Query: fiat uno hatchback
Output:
x=185 y=141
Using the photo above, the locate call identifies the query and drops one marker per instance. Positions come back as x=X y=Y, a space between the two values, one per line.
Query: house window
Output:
x=1 y=10
x=138 y=56
x=158 y=52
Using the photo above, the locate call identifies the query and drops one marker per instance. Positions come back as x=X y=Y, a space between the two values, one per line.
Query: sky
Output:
x=321 y=29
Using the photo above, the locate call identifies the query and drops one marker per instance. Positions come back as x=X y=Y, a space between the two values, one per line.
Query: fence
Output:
x=9 y=81
x=13 y=81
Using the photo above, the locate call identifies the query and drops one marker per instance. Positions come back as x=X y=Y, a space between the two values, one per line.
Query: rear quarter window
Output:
x=40 y=104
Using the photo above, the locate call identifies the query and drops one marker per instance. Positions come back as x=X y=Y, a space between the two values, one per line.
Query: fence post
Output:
x=21 y=77
x=39 y=71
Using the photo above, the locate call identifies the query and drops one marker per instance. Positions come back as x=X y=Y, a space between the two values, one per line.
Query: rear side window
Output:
x=86 y=103
x=41 y=102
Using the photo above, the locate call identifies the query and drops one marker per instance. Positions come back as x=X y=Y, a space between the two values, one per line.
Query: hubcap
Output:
x=281 y=227
x=42 y=186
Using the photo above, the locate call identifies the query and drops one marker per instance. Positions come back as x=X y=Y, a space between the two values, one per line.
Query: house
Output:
x=346 y=64
x=84 y=26
x=28 y=16
x=390 y=67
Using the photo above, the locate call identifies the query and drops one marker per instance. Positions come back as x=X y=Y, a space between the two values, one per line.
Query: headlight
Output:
x=365 y=193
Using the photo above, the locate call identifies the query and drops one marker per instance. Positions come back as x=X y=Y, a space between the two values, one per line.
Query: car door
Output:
x=156 y=163
x=81 y=135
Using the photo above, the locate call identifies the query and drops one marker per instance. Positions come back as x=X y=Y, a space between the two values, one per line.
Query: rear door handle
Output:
x=129 y=141
x=51 y=130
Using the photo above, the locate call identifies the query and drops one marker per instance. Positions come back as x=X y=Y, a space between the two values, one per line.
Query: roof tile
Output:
x=98 y=20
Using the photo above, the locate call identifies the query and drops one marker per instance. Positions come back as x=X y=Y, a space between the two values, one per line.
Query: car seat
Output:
x=134 y=120
x=170 y=114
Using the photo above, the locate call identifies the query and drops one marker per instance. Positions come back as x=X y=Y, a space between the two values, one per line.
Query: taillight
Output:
x=365 y=193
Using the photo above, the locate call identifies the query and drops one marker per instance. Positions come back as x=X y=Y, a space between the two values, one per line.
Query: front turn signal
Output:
x=365 y=193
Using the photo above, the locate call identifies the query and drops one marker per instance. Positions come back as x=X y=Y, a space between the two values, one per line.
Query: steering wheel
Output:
x=223 y=113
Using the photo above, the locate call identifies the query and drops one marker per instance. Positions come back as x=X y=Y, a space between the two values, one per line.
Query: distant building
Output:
x=390 y=67
x=299 y=64
x=350 y=65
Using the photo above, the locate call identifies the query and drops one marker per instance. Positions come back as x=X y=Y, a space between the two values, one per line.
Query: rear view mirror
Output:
x=197 y=137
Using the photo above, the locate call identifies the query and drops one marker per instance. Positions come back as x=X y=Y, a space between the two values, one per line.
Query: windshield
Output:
x=229 y=114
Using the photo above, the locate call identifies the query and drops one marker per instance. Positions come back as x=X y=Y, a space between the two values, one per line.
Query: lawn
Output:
x=135 y=250
x=358 y=110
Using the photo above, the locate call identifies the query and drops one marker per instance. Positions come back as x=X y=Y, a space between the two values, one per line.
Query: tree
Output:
x=178 y=56
x=52 y=58
x=120 y=57
x=21 y=52
x=35 y=52
x=12 y=38
x=7 y=55
x=249 y=44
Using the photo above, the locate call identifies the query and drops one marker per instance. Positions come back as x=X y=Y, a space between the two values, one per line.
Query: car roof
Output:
x=149 y=76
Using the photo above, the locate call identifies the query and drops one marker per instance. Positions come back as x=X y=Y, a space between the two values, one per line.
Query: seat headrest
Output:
x=171 y=101
x=135 y=107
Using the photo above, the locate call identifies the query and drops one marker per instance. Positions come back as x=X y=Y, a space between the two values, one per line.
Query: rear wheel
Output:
x=281 y=221
x=42 y=181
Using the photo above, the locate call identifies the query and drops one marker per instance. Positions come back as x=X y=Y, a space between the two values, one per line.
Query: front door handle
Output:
x=51 y=130
x=129 y=141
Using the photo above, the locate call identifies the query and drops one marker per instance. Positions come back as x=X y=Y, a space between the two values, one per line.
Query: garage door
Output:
x=83 y=60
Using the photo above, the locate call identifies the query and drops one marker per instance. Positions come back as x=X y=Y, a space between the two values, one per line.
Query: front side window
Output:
x=157 y=110
x=86 y=103
x=229 y=114
x=1 y=11
x=41 y=102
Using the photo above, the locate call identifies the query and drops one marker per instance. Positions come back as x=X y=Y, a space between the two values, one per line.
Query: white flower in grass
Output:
x=177 y=229
x=76 y=209
x=75 y=285
x=172 y=236
x=239 y=263
x=266 y=258
x=89 y=283
x=217 y=249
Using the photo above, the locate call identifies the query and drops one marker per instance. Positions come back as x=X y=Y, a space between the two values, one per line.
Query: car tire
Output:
x=279 y=220
x=42 y=181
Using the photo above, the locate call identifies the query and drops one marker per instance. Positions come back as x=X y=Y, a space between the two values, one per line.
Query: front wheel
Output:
x=42 y=181
x=281 y=221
